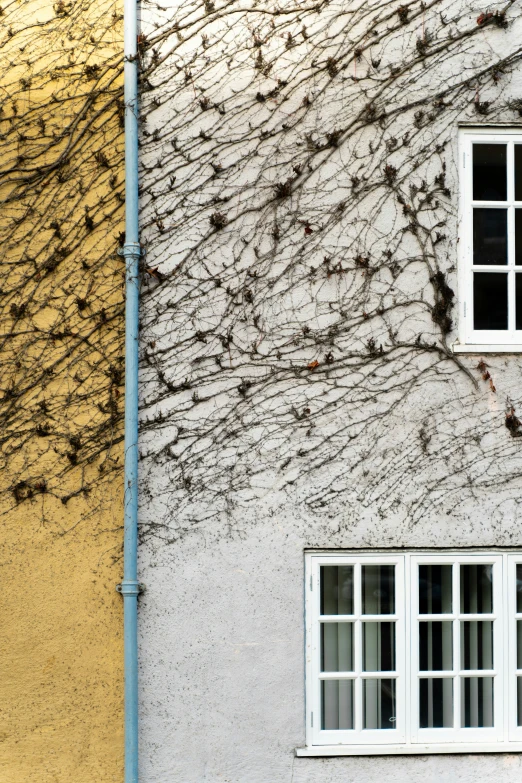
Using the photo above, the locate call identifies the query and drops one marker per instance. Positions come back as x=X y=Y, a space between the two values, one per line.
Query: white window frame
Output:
x=407 y=737
x=484 y=341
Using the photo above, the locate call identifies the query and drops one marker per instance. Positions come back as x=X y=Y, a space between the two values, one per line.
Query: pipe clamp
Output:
x=131 y=249
x=130 y=587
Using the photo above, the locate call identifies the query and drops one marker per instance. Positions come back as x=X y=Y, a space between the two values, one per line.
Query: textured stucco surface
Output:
x=61 y=644
x=248 y=458
x=61 y=477
x=222 y=668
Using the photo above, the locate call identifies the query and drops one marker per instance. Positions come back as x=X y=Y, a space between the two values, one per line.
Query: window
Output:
x=490 y=238
x=413 y=653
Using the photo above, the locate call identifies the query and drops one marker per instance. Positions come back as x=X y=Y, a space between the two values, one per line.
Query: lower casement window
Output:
x=413 y=653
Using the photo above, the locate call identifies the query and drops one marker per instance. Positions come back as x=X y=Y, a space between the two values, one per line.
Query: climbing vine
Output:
x=299 y=199
x=61 y=304
x=299 y=220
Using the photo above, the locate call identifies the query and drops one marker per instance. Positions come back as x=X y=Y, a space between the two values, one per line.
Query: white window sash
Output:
x=458 y=734
x=468 y=336
x=358 y=735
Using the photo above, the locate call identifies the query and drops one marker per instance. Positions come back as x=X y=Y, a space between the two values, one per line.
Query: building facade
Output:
x=330 y=391
x=61 y=400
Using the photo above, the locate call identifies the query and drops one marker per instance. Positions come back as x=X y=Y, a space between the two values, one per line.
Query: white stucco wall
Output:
x=251 y=452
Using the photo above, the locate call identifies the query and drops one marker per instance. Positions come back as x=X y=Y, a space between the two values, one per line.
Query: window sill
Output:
x=407 y=750
x=487 y=348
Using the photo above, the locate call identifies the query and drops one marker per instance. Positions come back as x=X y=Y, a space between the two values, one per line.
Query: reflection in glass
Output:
x=476 y=588
x=489 y=236
x=435 y=646
x=518 y=172
x=476 y=702
x=379 y=704
x=378 y=589
x=337 y=589
x=476 y=644
x=435 y=589
x=490 y=301
x=489 y=172
x=519 y=701
x=518 y=301
x=519 y=588
x=436 y=703
x=336 y=647
x=378 y=647
x=337 y=704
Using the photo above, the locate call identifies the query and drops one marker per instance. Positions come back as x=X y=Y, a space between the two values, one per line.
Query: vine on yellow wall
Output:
x=61 y=296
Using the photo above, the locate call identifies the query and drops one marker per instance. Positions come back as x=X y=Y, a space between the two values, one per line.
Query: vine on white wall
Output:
x=299 y=219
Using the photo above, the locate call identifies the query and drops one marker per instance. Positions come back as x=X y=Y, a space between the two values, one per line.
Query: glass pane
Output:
x=518 y=237
x=489 y=172
x=519 y=644
x=436 y=646
x=337 y=704
x=436 y=703
x=476 y=589
x=519 y=588
x=336 y=589
x=378 y=589
x=518 y=172
x=519 y=701
x=337 y=647
x=490 y=301
x=518 y=301
x=476 y=644
x=476 y=702
x=435 y=589
x=489 y=236
x=379 y=704
x=378 y=647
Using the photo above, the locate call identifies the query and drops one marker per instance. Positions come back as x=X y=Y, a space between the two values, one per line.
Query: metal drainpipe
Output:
x=130 y=587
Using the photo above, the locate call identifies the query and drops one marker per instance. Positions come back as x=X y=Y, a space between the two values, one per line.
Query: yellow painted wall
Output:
x=60 y=656
x=61 y=394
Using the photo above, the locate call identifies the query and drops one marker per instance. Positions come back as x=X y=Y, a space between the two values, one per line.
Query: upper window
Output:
x=491 y=237
x=414 y=653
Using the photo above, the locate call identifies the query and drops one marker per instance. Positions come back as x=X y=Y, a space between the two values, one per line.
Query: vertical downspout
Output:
x=130 y=586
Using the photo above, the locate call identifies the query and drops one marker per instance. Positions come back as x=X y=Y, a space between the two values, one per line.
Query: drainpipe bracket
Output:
x=130 y=249
x=130 y=587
